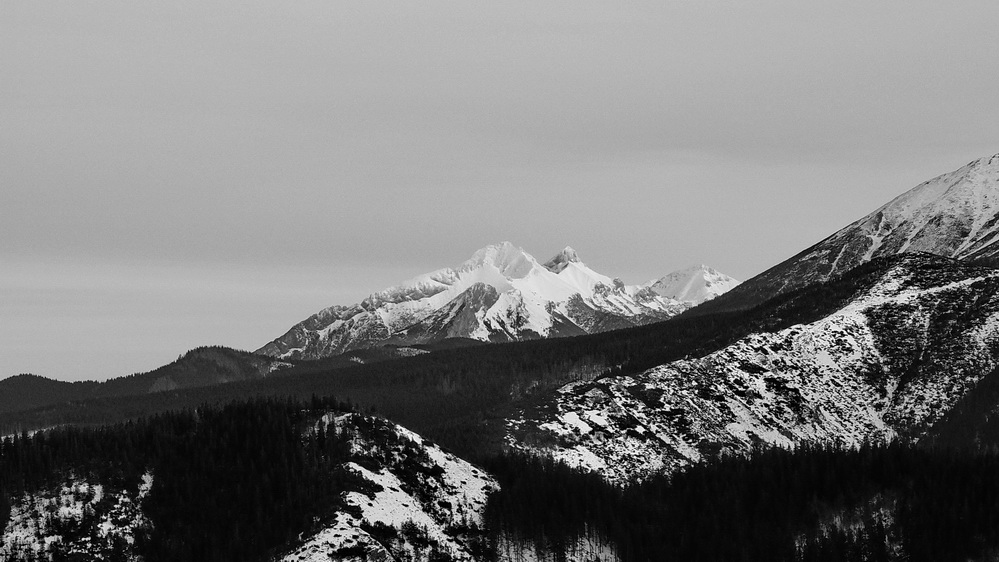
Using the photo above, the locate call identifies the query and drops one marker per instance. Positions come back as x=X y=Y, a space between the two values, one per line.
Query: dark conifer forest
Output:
x=813 y=504
x=231 y=483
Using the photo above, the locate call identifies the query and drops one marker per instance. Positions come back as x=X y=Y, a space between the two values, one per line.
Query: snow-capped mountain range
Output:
x=501 y=293
x=955 y=215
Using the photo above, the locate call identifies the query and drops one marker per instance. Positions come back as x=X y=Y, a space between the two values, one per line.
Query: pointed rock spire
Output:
x=562 y=260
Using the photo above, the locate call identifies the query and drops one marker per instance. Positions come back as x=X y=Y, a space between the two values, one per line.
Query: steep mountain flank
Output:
x=891 y=362
x=955 y=215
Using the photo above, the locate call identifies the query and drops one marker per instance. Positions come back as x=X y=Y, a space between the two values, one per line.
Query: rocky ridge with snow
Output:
x=500 y=294
x=405 y=499
x=890 y=362
x=414 y=501
x=954 y=215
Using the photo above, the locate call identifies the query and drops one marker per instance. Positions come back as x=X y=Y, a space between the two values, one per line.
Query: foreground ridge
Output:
x=890 y=362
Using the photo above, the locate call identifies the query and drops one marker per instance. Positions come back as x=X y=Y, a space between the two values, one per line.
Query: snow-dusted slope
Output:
x=890 y=362
x=78 y=520
x=954 y=215
x=500 y=294
x=416 y=502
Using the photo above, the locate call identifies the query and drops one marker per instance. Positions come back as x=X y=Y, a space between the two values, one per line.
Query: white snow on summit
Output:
x=694 y=284
x=955 y=215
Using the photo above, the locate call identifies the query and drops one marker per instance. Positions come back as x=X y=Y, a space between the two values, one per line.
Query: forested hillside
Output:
x=230 y=483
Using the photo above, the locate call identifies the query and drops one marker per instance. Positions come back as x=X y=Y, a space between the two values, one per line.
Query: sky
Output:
x=182 y=173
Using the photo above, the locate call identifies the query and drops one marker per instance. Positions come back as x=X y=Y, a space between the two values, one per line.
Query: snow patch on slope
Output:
x=77 y=519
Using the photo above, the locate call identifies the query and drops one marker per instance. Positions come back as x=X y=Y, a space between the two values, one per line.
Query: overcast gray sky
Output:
x=181 y=173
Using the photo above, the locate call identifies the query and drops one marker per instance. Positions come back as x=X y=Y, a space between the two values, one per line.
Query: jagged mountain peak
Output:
x=955 y=215
x=501 y=293
x=509 y=260
x=562 y=260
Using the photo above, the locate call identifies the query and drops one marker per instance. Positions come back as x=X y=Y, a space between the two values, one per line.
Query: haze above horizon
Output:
x=186 y=173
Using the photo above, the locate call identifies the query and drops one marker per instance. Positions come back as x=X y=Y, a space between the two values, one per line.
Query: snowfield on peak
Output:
x=890 y=362
x=953 y=215
x=501 y=293
x=694 y=284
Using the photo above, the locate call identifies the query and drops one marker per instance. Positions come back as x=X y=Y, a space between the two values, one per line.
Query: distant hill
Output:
x=24 y=392
x=203 y=366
